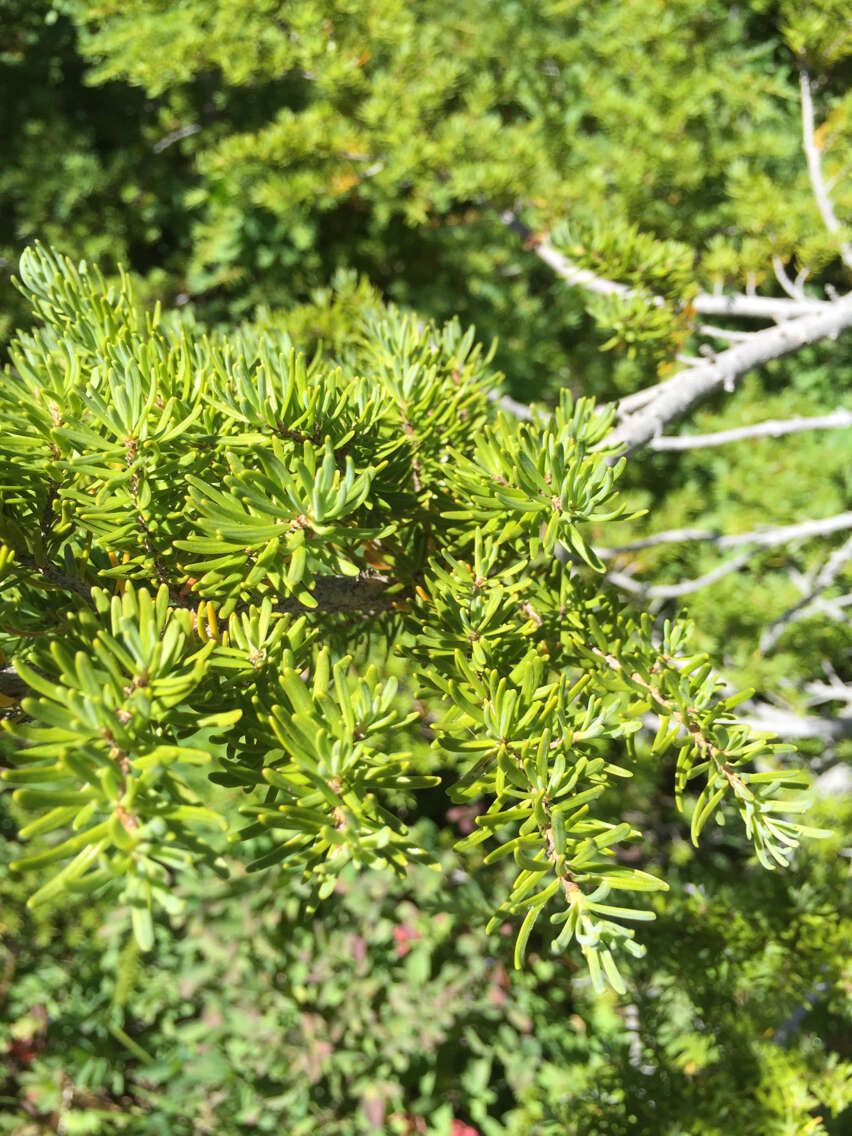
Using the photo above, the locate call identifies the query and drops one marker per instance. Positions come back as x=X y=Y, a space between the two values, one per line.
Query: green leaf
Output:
x=523 y=936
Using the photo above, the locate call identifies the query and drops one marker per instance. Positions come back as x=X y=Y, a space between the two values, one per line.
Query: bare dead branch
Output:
x=823 y=580
x=725 y=333
x=835 y=691
x=632 y=402
x=814 y=160
x=767 y=537
x=793 y=290
x=674 y=591
x=834 y=608
x=510 y=405
x=749 y=306
x=175 y=136
x=772 y=428
x=726 y=369
x=788 y=724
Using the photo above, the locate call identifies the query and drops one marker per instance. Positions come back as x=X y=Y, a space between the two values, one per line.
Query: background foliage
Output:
x=291 y=165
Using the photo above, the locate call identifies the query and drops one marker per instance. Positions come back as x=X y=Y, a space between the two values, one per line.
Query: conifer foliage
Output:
x=343 y=659
x=212 y=547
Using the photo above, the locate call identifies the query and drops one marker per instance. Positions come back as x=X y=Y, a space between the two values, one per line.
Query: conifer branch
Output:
x=135 y=670
x=363 y=595
x=705 y=303
x=12 y=686
x=562 y=266
x=55 y=577
x=800 y=321
x=367 y=593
